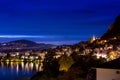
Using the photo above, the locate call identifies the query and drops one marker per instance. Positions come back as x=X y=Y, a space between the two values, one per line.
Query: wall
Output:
x=107 y=74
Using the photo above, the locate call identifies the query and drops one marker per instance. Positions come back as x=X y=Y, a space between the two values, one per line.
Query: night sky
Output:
x=56 y=21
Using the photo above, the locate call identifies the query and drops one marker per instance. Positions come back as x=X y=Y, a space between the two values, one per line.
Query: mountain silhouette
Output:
x=24 y=44
x=21 y=42
x=114 y=30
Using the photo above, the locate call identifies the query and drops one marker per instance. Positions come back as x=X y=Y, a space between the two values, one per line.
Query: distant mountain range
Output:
x=112 y=36
x=24 y=44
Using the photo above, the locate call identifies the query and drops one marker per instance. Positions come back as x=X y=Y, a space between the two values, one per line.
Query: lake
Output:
x=17 y=70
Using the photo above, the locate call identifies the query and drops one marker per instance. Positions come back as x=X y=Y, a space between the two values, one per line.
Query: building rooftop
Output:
x=114 y=64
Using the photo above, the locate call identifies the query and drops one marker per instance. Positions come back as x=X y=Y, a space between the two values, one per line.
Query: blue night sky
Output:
x=56 y=21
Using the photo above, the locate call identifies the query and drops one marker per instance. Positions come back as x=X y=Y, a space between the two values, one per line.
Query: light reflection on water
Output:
x=11 y=70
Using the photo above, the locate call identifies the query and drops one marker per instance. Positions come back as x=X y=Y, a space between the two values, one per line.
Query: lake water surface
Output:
x=17 y=70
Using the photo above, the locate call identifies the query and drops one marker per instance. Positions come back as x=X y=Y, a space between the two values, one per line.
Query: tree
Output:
x=65 y=62
x=50 y=65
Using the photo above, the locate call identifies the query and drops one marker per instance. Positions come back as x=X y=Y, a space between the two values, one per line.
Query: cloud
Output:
x=44 y=36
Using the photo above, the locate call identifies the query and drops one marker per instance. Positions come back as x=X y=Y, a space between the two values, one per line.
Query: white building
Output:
x=107 y=74
x=106 y=71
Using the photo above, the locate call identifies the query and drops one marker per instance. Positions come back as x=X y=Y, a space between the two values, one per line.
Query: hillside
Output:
x=24 y=44
x=114 y=30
